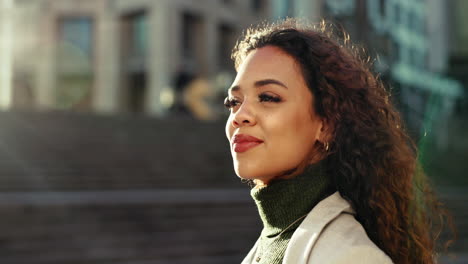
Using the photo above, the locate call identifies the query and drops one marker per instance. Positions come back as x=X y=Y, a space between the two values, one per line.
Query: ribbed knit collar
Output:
x=283 y=201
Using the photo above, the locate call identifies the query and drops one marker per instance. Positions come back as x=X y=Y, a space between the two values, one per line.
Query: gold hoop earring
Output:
x=326 y=145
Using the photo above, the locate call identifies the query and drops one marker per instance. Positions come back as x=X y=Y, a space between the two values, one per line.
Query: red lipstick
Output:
x=242 y=142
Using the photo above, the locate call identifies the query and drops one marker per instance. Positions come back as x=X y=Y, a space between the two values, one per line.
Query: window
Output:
x=257 y=5
x=139 y=35
x=284 y=8
x=341 y=7
x=289 y=7
x=382 y=8
x=77 y=32
x=191 y=28
x=227 y=38
x=394 y=51
x=134 y=50
x=417 y=24
x=397 y=14
x=193 y=38
x=74 y=62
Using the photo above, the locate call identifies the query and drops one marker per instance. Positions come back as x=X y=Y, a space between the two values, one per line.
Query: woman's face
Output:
x=272 y=126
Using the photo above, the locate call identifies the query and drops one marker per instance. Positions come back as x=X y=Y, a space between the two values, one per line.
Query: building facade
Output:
x=458 y=43
x=410 y=42
x=110 y=56
x=113 y=56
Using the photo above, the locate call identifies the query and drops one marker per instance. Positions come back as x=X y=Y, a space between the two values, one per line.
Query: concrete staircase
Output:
x=66 y=151
x=155 y=227
x=80 y=188
x=85 y=189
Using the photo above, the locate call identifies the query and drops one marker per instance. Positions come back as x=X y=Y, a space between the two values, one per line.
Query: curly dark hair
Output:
x=371 y=159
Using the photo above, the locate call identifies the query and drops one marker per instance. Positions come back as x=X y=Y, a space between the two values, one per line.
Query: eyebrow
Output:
x=260 y=83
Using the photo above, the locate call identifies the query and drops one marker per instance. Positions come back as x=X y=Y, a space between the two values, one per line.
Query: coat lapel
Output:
x=250 y=257
x=305 y=236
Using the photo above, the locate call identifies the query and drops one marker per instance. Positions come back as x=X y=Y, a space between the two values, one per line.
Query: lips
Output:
x=242 y=142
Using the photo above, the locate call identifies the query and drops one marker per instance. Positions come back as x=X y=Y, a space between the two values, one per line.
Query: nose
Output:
x=244 y=116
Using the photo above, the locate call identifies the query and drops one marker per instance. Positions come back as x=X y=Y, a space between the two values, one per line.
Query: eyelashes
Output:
x=269 y=98
x=233 y=102
x=230 y=103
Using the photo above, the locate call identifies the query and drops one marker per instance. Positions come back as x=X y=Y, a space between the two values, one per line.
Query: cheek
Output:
x=299 y=131
x=229 y=129
x=304 y=125
x=290 y=123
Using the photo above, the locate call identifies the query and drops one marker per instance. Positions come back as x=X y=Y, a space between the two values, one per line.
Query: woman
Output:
x=336 y=177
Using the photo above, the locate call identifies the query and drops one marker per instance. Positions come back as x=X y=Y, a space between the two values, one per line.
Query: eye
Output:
x=269 y=98
x=230 y=102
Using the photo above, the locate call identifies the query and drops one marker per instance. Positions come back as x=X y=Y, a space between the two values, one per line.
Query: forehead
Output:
x=269 y=63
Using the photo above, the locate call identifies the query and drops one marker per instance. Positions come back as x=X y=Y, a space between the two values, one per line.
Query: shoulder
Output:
x=331 y=234
x=344 y=240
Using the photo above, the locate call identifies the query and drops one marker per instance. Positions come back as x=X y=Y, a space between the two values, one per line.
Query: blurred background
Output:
x=112 y=146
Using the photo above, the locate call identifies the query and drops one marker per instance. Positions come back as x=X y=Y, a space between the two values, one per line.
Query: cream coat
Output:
x=329 y=235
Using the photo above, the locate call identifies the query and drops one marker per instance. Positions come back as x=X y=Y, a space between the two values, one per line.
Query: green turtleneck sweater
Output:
x=283 y=205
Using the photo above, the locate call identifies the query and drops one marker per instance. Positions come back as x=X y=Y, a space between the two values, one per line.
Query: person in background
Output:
x=182 y=78
x=335 y=176
x=197 y=97
x=193 y=94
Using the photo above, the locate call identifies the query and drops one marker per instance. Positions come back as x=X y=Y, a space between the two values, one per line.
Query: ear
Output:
x=318 y=132
x=323 y=131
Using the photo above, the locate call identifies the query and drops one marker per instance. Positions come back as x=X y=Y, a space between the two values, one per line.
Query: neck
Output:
x=283 y=201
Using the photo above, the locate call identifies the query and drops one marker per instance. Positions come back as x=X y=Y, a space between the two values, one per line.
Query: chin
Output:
x=251 y=172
